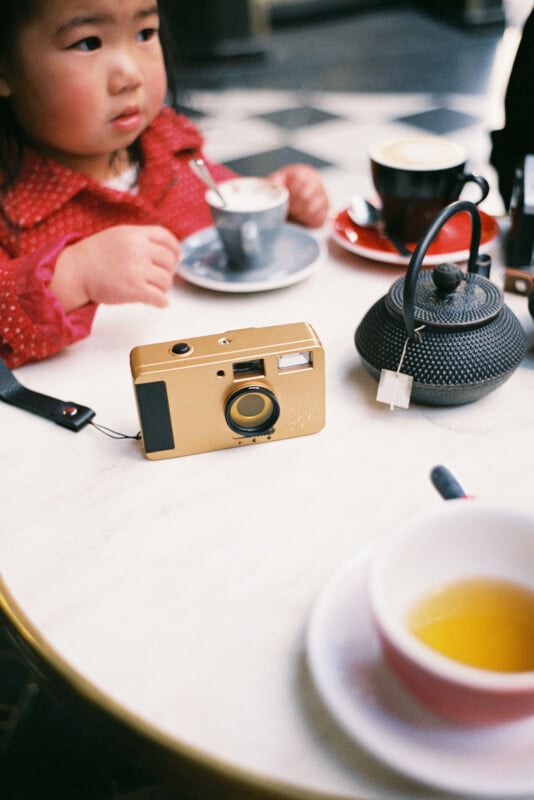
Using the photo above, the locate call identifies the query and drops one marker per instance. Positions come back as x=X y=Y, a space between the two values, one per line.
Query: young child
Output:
x=95 y=188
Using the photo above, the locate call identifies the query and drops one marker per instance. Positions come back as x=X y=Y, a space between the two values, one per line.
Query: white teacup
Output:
x=250 y=220
x=463 y=544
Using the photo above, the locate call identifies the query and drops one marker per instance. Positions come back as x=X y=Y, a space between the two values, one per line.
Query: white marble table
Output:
x=176 y=594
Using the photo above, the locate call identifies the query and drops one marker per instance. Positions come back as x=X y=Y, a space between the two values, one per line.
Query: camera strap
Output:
x=67 y=414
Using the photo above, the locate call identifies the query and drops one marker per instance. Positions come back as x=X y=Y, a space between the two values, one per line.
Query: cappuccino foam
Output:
x=418 y=153
x=248 y=194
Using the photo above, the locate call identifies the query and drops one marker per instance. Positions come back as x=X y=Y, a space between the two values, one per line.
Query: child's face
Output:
x=86 y=78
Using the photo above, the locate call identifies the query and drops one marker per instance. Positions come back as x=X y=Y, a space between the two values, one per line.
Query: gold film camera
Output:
x=229 y=389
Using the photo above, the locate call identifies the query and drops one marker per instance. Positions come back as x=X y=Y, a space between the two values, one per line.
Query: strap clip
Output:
x=67 y=414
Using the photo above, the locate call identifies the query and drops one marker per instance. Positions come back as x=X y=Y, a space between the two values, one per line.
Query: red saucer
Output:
x=451 y=243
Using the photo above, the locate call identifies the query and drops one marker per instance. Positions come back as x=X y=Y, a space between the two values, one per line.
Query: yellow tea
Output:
x=483 y=622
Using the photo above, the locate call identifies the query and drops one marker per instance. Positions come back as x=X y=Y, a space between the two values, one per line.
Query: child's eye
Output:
x=146 y=34
x=87 y=44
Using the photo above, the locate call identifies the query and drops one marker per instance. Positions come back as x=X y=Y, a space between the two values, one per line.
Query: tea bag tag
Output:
x=394 y=388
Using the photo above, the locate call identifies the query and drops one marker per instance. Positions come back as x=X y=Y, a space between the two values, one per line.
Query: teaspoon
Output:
x=366 y=215
x=198 y=165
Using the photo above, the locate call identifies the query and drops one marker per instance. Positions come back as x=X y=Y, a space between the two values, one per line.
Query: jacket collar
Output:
x=43 y=185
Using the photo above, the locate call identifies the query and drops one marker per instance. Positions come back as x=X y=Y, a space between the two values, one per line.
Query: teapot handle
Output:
x=412 y=273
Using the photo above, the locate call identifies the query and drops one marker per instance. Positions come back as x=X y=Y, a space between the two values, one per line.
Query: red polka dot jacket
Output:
x=50 y=206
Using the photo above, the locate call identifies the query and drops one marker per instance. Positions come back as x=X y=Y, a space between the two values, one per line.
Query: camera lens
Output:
x=252 y=410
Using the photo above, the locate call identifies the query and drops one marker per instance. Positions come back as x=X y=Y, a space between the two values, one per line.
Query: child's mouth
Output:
x=128 y=120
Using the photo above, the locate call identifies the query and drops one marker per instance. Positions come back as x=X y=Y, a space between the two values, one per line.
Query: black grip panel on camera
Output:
x=67 y=414
x=155 y=415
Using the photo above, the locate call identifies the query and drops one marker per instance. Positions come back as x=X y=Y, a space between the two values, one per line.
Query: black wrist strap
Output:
x=69 y=415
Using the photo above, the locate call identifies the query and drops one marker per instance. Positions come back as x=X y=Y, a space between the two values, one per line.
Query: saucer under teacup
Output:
x=296 y=255
x=375 y=710
x=451 y=244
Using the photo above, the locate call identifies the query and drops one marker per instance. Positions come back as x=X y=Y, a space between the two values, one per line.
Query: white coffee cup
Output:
x=250 y=219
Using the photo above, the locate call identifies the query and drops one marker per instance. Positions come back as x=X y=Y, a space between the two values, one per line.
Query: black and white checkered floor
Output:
x=257 y=131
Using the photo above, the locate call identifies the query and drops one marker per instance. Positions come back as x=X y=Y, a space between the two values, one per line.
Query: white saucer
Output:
x=378 y=713
x=204 y=263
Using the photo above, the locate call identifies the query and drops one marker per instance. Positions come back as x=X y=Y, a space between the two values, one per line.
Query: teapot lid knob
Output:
x=447 y=277
x=474 y=300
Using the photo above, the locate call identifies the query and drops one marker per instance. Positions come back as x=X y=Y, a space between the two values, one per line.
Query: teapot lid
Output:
x=448 y=298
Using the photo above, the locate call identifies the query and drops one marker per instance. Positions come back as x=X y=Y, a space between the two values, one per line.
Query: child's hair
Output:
x=13 y=15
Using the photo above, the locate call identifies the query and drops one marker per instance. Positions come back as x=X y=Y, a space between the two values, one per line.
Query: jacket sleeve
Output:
x=33 y=323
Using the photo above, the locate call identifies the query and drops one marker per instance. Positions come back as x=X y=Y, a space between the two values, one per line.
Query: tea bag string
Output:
x=405 y=348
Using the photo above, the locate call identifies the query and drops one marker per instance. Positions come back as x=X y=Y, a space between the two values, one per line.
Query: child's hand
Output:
x=308 y=201
x=122 y=264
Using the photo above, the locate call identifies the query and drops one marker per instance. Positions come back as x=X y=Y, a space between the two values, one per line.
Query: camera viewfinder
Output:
x=249 y=369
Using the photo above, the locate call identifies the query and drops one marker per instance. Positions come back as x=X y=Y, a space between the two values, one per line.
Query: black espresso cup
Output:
x=415 y=178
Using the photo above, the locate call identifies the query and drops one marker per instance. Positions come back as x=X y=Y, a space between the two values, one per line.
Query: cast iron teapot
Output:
x=448 y=329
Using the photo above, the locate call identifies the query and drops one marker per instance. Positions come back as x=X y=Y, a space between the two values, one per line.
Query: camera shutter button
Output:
x=181 y=348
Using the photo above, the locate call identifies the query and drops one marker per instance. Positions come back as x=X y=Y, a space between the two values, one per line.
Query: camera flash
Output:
x=295 y=360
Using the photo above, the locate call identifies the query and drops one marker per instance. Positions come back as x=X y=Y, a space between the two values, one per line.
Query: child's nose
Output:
x=125 y=73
